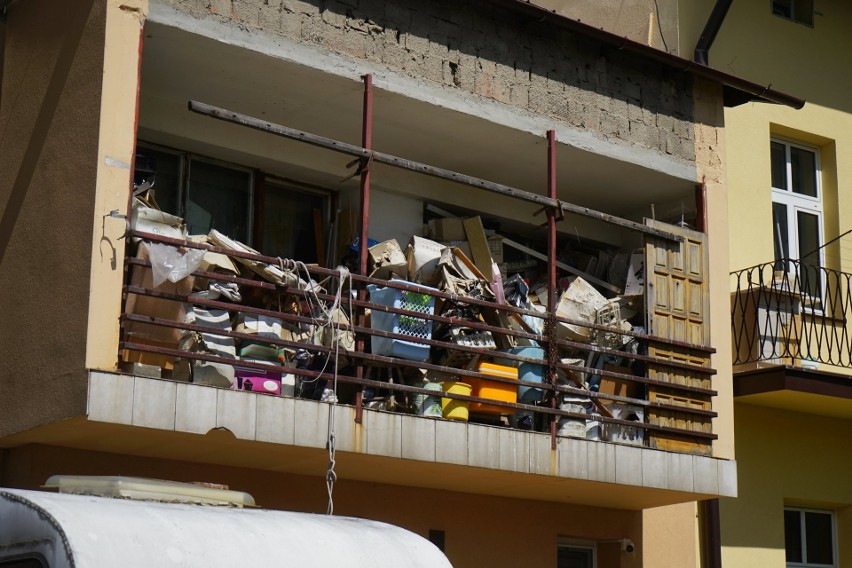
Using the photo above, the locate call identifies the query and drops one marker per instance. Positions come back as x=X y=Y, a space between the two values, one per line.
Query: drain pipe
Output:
x=711 y=28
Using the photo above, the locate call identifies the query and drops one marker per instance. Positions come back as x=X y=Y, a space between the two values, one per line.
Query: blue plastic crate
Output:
x=422 y=302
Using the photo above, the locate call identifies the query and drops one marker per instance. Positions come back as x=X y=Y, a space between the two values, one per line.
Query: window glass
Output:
x=779 y=166
x=809 y=537
x=164 y=170
x=218 y=198
x=818 y=537
x=292 y=220
x=808 y=225
x=793 y=535
x=803 y=168
x=574 y=557
x=801 y=11
x=780 y=231
x=783 y=8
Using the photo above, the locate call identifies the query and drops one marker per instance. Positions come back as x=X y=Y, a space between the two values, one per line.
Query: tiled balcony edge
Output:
x=185 y=407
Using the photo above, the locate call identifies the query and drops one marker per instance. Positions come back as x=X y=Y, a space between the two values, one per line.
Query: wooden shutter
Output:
x=677 y=308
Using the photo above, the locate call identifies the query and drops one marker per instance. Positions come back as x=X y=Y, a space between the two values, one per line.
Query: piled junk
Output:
x=451 y=334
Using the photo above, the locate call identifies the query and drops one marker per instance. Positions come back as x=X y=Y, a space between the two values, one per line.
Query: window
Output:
x=797 y=213
x=278 y=217
x=800 y=11
x=576 y=554
x=809 y=538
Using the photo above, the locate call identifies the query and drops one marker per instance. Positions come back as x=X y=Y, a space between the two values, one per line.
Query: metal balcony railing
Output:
x=790 y=312
x=369 y=379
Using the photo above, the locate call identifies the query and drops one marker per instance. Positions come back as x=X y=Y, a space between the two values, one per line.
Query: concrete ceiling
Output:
x=179 y=66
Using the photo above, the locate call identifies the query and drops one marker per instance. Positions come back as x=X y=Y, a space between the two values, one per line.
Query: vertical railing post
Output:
x=552 y=355
x=364 y=226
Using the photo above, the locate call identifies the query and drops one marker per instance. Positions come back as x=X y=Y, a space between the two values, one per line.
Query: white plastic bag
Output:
x=168 y=263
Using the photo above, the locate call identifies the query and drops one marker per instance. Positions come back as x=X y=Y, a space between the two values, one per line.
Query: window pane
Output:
x=793 y=536
x=808 y=226
x=819 y=536
x=164 y=169
x=218 y=199
x=779 y=166
x=803 y=166
x=803 y=11
x=782 y=8
x=780 y=231
x=289 y=230
x=569 y=557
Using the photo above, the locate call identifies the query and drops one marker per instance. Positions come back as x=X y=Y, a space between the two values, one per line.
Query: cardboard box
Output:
x=266 y=381
x=260 y=325
x=387 y=259
x=423 y=257
x=142 y=276
x=450 y=229
x=579 y=302
x=620 y=387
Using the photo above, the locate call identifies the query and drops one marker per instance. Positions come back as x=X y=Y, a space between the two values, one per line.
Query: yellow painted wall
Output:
x=52 y=70
x=785 y=458
x=117 y=141
x=480 y=530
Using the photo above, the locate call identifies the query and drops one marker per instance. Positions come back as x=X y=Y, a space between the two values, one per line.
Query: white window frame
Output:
x=796 y=202
x=590 y=545
x=831 y=514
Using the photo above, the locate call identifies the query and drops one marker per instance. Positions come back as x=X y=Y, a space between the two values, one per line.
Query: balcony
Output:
x=791 y=340
x=543 y=399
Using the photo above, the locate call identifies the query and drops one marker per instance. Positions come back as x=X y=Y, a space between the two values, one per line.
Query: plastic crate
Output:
x=412 y=326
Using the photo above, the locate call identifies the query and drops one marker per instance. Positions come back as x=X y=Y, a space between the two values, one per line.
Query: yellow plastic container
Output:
x=451 y=408
x=483 y=388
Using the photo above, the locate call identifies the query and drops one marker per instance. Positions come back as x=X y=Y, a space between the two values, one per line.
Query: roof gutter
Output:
x=737 y=90
x=711 y=28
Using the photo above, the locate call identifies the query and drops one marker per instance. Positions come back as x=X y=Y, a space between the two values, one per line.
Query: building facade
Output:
x=488 y=110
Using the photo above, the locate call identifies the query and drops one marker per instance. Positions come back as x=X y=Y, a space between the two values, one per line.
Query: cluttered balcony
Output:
x=443 y=329
x=462 y=344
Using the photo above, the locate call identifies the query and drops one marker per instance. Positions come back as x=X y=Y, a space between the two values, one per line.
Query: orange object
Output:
x=493 y=390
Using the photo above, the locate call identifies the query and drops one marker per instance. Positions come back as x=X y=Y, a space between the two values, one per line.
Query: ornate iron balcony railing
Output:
x=791 y=312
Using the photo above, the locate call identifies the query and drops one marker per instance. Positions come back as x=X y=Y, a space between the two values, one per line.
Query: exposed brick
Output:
x=473 y=47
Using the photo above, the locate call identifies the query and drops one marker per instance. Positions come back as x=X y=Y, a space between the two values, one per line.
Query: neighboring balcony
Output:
x=791 y=338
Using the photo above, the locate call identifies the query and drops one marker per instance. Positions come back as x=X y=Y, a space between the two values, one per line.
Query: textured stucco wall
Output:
x=481 y=49
x=48 y=149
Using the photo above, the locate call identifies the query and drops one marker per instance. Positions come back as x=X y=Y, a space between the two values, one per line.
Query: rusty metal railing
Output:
x=387 y=382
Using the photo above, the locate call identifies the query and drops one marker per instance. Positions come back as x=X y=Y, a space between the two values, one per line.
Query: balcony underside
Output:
x=797 y=390
x=180 y=421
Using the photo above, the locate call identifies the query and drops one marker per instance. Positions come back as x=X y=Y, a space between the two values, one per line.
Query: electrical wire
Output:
x=660 y=26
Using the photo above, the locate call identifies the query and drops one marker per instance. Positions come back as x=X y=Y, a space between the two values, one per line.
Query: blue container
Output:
x=412 y=326
x=528 y=372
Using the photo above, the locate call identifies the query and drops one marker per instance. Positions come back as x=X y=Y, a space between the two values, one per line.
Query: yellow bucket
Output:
x=453 y=409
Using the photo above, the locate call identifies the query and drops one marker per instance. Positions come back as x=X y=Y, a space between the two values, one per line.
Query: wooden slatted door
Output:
x=677 y=308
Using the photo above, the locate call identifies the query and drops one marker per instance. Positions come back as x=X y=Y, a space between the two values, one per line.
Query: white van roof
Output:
x=93 y=532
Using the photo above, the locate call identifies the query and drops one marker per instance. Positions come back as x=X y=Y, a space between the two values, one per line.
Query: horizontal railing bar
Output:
x=401 y=285
x=304 y=319
x=406 y=388
x=410 y=165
